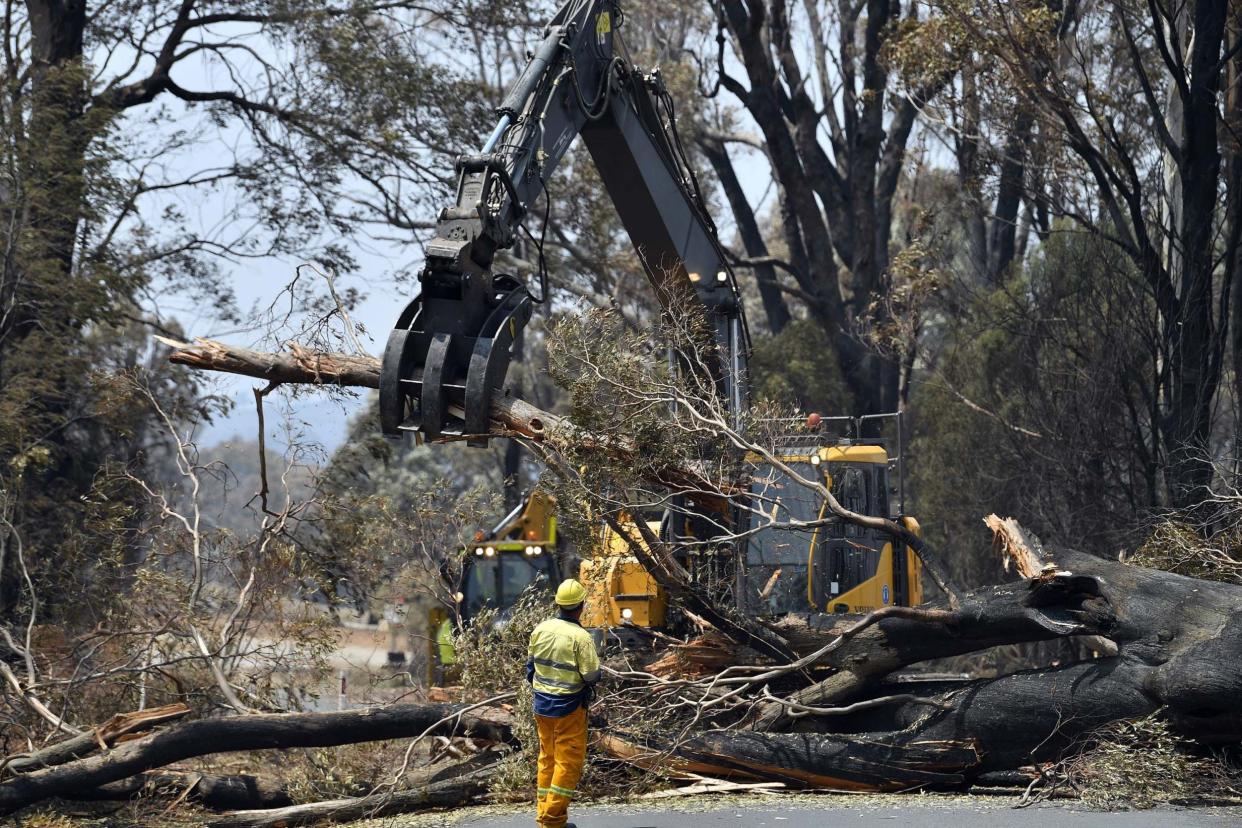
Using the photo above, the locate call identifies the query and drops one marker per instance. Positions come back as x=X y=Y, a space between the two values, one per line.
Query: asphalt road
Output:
x=797 y=816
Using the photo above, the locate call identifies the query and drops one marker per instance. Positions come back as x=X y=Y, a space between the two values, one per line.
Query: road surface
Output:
x=987 y=814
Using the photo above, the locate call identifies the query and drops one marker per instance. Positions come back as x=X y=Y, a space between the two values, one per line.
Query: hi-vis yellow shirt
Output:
x=564 y=657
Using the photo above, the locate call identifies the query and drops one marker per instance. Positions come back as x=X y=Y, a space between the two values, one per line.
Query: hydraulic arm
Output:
x=450 y=350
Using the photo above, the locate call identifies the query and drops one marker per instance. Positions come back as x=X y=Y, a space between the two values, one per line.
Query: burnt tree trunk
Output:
x=1177 y=641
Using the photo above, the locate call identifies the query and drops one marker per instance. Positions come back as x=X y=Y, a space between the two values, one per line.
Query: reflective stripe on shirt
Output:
x=564 y=656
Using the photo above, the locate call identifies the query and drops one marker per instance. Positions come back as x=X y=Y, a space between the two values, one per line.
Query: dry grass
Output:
x=317 y=774
x=1179 y=547
x=1141 y=764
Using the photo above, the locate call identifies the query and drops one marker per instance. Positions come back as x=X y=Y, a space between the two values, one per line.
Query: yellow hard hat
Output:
x=570 y=593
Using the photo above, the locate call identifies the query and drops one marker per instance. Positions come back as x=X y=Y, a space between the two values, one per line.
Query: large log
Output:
x=440 y=794
x=1177 y=643
x=300 y=366
x=975 y=728
x=242 y=733
x=92 y=741
x=510 y=416
x=240 y=790
x=1044 y=608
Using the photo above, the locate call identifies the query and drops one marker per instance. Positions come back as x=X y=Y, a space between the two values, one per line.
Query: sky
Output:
x=323 y=417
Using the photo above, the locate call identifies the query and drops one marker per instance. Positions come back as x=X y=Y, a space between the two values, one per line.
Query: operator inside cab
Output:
x=562 y=668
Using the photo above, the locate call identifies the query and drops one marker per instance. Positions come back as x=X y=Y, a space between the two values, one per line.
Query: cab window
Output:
x=792 y=502
x=517 y=572
x=849 y=487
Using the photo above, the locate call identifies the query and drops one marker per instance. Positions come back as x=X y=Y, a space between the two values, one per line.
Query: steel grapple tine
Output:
x=444 y=353
x=489 y=363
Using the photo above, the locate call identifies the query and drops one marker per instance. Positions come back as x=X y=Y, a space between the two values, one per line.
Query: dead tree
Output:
x=1175 y=643
x=203 y=737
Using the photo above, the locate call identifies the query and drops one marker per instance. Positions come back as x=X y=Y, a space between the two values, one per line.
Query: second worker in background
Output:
x=563 y=668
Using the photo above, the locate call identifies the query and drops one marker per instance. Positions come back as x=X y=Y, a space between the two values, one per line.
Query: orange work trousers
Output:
x=562 y=752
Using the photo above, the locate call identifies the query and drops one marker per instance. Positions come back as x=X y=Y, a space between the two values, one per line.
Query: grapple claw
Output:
x=438 y=358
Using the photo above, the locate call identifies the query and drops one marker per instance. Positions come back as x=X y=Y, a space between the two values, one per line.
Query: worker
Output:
x=446 y=652
x=563 y=669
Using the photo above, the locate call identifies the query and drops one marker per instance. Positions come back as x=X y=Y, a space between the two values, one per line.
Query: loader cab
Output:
x=520 y=551
x=496 y=575
x=828 y=565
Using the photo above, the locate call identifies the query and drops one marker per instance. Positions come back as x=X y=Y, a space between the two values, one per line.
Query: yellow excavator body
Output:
x=619 y=589
x=835 y=567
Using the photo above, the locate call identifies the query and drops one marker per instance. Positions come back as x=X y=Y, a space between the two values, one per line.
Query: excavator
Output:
x=449 y=352
x=522 y=551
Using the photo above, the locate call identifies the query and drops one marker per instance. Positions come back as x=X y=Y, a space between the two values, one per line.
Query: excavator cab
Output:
x=832 y=566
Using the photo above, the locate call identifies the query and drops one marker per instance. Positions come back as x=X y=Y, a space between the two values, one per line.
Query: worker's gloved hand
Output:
x=588 y=695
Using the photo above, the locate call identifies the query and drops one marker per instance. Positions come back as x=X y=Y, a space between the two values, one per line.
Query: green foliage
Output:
x=799 y=367
x=619 y=383
x=396 y=514
x=492 y=657
x=1037 y=408
x=1142 y=764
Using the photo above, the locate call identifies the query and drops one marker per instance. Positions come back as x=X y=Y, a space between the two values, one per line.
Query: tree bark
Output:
x=775 y=309
x=241 y=733
x=441 y=794
x=976 y=728
x=1040 y=609
x=511 y=417
x=241 y=790
x=94 y=740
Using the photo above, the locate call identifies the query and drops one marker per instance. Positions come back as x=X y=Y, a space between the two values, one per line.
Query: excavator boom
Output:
x=449 y=352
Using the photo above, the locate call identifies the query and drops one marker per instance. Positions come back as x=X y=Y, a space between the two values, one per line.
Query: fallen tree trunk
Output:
x=242 y=790
x=511 y=417
x=1041 y=609
x=94 y=740
x=243 y=733
x=974 y=728
x=441 y=794
x=1177 y=642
